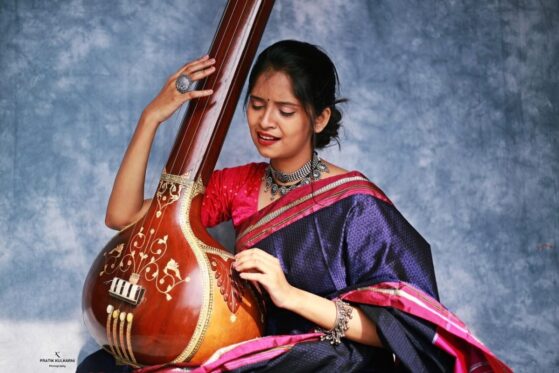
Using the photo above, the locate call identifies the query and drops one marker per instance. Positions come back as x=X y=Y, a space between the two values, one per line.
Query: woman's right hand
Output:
x=126 y=203
x=170 y=99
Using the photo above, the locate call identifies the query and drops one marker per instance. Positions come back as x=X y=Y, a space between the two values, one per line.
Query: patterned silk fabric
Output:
x=340 y=237
x=354 y=241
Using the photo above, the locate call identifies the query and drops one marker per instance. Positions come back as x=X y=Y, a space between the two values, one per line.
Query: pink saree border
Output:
x=253 y=351
x=452 y=334
x=238 y=355
x=303 y=202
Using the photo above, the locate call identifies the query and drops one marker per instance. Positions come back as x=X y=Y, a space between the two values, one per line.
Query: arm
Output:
x=322 y=312
x=126 y=203
x=258 y=266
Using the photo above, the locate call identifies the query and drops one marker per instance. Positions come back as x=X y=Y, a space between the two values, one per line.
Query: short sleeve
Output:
x=216 y=205
x=232 y=193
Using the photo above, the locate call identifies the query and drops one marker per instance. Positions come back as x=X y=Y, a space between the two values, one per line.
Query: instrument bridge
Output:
x=127 y=291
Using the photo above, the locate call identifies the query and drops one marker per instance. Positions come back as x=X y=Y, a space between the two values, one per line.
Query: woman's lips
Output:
x=265 y=139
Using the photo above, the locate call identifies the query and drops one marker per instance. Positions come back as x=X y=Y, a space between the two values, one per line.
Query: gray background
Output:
x=453 y=112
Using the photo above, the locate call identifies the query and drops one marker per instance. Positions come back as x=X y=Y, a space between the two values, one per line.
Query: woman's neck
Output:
x=289 y=165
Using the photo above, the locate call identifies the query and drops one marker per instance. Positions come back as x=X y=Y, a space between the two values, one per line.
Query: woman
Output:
x=328 y=249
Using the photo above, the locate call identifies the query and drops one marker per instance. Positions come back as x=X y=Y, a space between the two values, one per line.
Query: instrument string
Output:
x=147 y=252
x=217 y=73
x=179 y=152
x=142 y=223
x=229 y=96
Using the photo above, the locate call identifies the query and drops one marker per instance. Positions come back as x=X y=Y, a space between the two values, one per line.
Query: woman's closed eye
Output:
x=255 y=106
x=258 y=106
x=286 y=114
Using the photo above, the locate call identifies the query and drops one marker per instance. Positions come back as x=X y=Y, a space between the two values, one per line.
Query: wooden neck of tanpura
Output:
x=205 y=124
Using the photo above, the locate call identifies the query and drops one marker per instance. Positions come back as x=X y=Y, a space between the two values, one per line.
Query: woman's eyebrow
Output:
x=288 y=103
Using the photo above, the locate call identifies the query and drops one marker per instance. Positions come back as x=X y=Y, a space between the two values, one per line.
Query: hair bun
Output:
x=331 y=130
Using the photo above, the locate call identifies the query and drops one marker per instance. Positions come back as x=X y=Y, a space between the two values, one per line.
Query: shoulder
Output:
x=334 y=170
x=245 y=169
x=242 y=172
x=374 y=190
x=357 y=180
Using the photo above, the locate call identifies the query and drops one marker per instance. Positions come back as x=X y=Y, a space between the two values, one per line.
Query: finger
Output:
x=249 y=253
x=185 y=66
x=198 y=60
x=251 y=264
x=201 y=74
x=195 y=94
x=248 y=265
x=254 y=265
x=258 y=253
x=194 y=66
x=253 y=276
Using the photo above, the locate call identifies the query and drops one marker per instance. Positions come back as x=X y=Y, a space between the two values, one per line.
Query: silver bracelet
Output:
x=343 y=314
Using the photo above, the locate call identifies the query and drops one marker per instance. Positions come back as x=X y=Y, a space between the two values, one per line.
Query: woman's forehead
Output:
x=275 y=86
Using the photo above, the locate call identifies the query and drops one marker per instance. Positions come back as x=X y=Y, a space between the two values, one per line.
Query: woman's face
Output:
x=279 y=125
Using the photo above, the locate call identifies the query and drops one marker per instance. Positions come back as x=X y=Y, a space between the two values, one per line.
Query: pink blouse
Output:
x=232 y=193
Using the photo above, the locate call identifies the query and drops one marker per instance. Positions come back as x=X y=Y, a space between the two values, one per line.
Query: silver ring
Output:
x=183 y=83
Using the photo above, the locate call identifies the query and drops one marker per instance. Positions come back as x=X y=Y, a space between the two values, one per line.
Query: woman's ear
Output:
x=322 y=120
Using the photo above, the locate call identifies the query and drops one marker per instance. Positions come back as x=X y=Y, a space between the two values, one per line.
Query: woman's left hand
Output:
x=258 y=266
x=264 y=269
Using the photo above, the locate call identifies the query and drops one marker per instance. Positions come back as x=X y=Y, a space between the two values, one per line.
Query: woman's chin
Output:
x=265 y=152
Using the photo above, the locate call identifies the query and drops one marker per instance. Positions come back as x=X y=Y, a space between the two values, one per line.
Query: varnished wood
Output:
x=203 y=129
x=194 y=302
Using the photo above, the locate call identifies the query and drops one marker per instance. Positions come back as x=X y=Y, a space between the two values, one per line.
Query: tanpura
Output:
x=163 y=290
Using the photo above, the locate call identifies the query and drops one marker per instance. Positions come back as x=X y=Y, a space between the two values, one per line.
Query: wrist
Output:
x=293 y=300
x=341 y=325
x=148 y=120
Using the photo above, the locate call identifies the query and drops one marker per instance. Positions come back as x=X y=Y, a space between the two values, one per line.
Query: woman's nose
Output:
x=267 y=120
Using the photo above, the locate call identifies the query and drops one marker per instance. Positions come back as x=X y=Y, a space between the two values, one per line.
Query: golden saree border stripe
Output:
x=297 y=213
x=420 y=303
x=274 y=214
x=252 y=232
x=447 y=321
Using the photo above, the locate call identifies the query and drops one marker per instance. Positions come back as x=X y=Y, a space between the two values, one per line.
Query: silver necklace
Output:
x=310 y=171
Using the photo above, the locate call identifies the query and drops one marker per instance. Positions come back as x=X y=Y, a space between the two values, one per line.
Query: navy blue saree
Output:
x=341 y=237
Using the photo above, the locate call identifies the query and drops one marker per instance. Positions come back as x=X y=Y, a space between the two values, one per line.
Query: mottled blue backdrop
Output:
x=454 y=112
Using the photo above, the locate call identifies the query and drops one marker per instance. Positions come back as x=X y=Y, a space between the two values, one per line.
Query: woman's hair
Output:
x=314 y=79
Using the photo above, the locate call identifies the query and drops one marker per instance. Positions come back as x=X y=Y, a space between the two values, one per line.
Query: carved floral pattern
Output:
x=228 y=280
x=167 y=193
x=146 y=250
x=111 y=258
